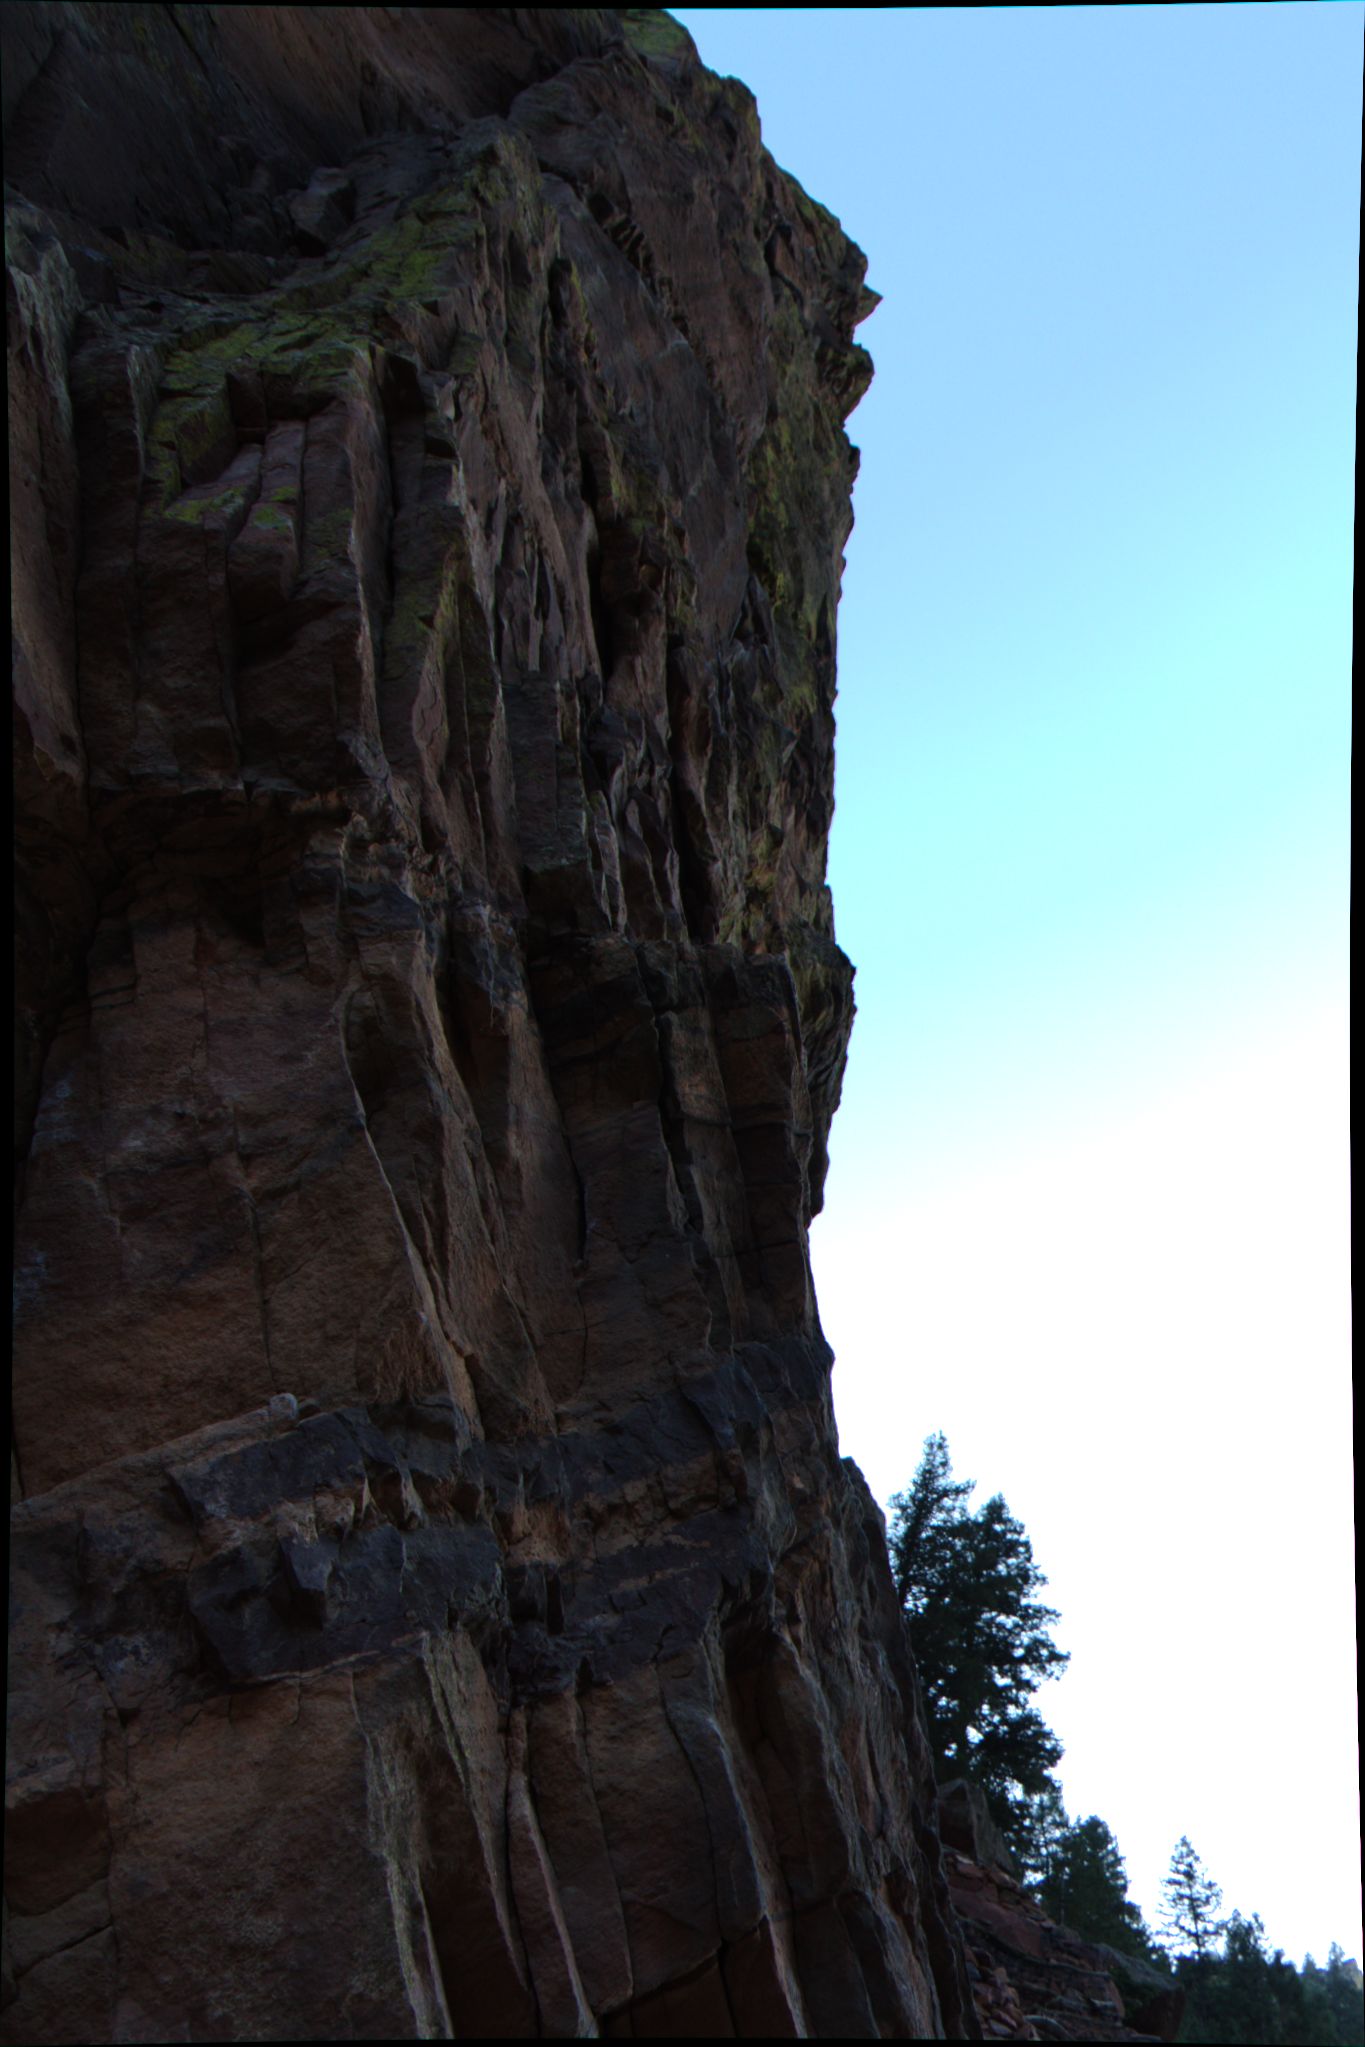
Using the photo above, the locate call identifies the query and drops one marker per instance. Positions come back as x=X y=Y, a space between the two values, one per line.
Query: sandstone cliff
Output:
x=439 y=1604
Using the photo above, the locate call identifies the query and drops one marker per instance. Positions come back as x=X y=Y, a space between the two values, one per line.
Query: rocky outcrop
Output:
x=1031 y=1978
x=965 y=1823
x=439 y=1604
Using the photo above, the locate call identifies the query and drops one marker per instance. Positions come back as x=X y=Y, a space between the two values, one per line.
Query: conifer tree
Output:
x=1191 y=1904
x=1089 y=1889
x=1344 y=1991
x=1040 y=1833
x=1248 y=1997
x=923 y=1522
x=1077 y=1874
x=968 y=1587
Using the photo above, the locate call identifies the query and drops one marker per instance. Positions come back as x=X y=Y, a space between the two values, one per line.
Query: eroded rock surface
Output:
x=1032 y=1978
x=439 y=1604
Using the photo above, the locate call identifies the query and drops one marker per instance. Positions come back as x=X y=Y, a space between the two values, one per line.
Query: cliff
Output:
x=439 y=1606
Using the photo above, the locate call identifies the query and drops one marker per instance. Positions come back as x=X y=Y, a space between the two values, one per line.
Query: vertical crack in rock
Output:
x=439 y=1606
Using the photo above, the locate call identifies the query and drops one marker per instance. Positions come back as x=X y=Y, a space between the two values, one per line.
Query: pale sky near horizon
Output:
x=1089 y=1204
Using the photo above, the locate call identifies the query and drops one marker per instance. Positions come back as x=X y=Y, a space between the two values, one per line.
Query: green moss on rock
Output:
x=652 y=32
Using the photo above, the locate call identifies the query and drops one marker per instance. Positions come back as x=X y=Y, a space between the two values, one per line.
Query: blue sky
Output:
x=1088 y=1208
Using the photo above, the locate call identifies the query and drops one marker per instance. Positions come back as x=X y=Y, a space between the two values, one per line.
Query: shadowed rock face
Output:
x=1032 y=1978
x=440 y=1607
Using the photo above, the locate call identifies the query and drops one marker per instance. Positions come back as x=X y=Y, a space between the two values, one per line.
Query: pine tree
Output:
x=1088 y=1889
x=1040 y=1833
x=1344 y=1990
x=1077 y=1874
x=1247 y=1997
x=968 y=1587
x=1190 y=1907
x=923 y=1521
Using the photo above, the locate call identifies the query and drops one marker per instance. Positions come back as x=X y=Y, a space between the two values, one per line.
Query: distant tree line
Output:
x=1235 y=1988
x=981 y=1635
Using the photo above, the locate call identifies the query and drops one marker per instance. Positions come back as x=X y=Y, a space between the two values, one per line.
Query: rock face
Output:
x=1031 y=1978
x=439 y=1604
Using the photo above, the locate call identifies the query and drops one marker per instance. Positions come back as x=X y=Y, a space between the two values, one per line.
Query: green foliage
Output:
x=1338 y=1991
x=1077 y=1874
x=1040 y=1831
x=1235 y=1989
x=968 y=1586
x=1089 y=1890
x=1247 y=1994
x=1190 y=1904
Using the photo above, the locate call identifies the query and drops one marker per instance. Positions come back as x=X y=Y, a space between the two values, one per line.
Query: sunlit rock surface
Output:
x=440 y=1608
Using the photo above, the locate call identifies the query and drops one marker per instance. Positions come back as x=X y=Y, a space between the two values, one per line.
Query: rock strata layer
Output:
x=439 y=1604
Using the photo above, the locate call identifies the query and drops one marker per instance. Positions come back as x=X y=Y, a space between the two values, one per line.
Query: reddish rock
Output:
x=439 y=1607
x=1031 y=1978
